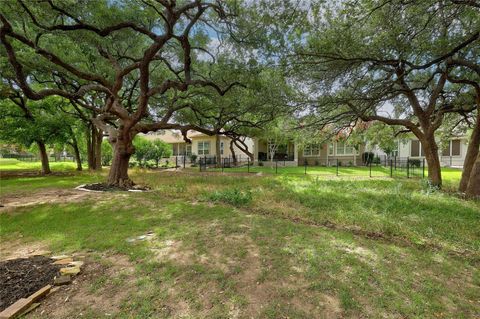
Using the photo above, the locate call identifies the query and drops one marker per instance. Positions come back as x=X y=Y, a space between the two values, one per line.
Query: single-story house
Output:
x=293 y=154
x=452 y=155
x=202 y=145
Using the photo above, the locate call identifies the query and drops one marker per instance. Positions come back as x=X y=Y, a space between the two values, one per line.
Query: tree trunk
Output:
x=44 y=158
x=122 y=151
x=430 y=149
x=77 y=154
x=244 y=148
x=471 y=156
x=90 y=151
x=218 y=154
x=473 y=187
x=234 y=156
x=98 y=149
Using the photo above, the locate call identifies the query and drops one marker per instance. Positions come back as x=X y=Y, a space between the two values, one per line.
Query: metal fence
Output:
x=385 y=167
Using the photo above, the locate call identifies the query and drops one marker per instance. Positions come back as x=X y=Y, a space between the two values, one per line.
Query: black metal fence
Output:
x=385 y=167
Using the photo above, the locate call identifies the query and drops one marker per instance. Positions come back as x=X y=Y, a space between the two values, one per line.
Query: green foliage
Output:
x=107 y=153
x=44 y=123
x=146 y=150
x=234 y=196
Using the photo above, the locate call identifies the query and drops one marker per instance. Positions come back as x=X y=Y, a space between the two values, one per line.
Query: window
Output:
x=311 y=150
x=203 y=148
x=455 y=147
x=415 y=148
x=452 y=149
x=330 y=149
x=188 y=150
x=344 y=149
x=221 y=148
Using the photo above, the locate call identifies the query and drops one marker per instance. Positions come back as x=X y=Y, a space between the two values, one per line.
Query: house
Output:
x=292 y=154
x=315 y=154
x=452 y=155
x=202 y=145
x=327 y=154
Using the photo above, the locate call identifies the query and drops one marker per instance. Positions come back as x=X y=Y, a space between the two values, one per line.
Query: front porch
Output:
x=285 y=154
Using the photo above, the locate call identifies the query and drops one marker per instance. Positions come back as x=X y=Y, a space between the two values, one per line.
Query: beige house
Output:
x=202 y=144
x=292 y=154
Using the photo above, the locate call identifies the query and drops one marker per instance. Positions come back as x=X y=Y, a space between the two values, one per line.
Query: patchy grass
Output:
x=234 y=196
x=11 y=164
x=302 y=247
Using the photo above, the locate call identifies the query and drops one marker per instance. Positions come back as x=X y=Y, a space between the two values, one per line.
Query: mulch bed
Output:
x=19 y=278
x=101 y=187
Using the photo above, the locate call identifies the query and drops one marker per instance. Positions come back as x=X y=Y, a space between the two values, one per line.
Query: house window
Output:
x=221 y=148
x=452 y=149
x=415 y=148
x=330 y=149
x=311 y=150
x=344 y=149
x=203 y=148
x=188 y=150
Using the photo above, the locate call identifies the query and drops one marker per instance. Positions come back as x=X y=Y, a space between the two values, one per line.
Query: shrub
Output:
x=367 y=157
x=193 y=158
x=235 y=196
x=317 y=163
x=260 y=163
x=414 y=162
x=376 y=160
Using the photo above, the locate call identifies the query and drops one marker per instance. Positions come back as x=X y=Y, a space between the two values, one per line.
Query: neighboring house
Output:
x=452 y=155
x=292 y=154
x=327 y=154
x=202 y=145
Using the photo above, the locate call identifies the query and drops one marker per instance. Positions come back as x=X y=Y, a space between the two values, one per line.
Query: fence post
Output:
x=370 y=169
x=276 y=166
x=248 y=164
x=391 y=168
x=395 y=162
x=184 y=159
x=408 y=167
x=423 y=168
x=305 y=164
x=223 y=164
x=176 y=162
x=337 y=166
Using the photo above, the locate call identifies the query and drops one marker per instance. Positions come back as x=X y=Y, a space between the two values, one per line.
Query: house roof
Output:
x=173 y=136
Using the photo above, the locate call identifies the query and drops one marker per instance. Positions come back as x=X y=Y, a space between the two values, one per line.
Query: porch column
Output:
x=255 y=150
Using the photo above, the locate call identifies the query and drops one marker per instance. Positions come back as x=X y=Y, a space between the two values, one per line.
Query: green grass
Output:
x=299 y=247
x=11 y=164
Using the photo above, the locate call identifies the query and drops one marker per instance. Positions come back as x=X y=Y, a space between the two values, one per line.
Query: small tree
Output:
x=142 y=149
x=158 y=149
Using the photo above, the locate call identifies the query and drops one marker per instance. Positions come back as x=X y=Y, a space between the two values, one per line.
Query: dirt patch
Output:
x=99 y=290
x=43 y=197
x=19 y=278
x=17 y=249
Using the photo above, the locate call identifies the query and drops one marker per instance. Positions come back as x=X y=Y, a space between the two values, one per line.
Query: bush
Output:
x=260 y=163
x=317 y=163
x=235 y=197
x=376 y=160
x=414 y=162
x=367 y=157
x=193 y=158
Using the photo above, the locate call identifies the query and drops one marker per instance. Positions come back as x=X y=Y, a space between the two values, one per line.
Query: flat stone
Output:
x=62 y=280
x=40 y=293
x=77 y=263
x=18 y=307
x=60 y=257
x=64 y=261
x=70 y=270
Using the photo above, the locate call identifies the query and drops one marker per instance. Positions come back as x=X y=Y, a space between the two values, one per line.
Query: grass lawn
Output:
x=249 y=246
x=11 y=164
